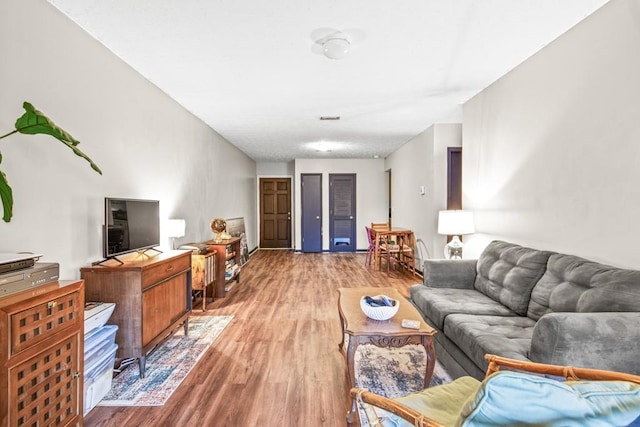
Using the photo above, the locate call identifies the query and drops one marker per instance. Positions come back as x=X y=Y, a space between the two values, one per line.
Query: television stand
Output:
x=141 y=252
x=145 y=250
x=108 y=259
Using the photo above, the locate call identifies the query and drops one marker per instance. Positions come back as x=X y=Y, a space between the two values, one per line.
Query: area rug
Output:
x=393 y=372
x=166 y=366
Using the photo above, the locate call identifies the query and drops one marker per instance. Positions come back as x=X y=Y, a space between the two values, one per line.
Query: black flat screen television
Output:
x=130 y=225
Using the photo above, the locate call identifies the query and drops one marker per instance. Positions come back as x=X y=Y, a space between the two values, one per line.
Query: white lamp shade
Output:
x=336 y=48
x=455 y=223
x=176 y=227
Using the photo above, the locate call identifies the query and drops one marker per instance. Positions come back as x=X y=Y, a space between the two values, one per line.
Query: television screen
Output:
x=130 y=225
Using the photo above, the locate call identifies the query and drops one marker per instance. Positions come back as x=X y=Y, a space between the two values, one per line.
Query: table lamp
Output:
x=455 y=223
x=175 y=228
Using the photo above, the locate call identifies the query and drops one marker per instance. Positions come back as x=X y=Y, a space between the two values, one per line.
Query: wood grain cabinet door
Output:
x=161 y=306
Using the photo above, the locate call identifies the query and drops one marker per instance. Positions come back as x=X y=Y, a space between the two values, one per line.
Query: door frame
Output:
x=259 y=219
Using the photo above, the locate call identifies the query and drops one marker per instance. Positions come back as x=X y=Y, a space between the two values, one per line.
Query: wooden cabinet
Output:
x=152 y=297
x=203 y=268
x=42 y=355
x=227 y=256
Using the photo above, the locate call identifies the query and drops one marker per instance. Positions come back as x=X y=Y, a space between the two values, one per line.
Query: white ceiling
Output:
x=250 y=69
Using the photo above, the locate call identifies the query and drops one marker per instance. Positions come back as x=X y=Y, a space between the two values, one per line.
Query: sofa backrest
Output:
x=507 y=273
x=573 y=284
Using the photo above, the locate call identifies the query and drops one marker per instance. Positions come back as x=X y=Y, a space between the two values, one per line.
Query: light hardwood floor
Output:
x=277 y=363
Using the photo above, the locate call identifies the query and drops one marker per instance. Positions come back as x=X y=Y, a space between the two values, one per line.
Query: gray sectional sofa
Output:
x=533 y=305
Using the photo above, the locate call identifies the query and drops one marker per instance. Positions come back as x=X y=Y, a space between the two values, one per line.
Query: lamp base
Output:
x=453 y=249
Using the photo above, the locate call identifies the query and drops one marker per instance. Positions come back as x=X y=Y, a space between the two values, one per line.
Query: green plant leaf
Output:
x=34 y=122
x=6 y=195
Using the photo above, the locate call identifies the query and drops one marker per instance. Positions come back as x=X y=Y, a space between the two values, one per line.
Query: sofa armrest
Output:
x=448 y=273
x=609 y=341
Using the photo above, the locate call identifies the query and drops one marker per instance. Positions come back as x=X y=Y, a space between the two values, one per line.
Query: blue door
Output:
x=342 y=212
x=311 y=199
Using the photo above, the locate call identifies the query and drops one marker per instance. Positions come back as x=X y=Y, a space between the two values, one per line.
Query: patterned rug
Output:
x=167 y=365
x=393 y=372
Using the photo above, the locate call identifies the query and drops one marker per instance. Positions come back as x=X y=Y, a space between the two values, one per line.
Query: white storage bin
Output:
x=96 y=315
x=97 y=343
x=97 y=378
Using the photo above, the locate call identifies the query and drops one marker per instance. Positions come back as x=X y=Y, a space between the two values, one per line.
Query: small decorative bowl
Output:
x=379 y=313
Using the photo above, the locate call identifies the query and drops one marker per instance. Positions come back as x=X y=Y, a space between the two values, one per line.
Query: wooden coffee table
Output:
x=382 y=333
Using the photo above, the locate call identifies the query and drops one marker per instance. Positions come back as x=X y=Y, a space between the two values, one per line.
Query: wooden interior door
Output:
x=275 y=212
x=311 y=200
x=342 y=212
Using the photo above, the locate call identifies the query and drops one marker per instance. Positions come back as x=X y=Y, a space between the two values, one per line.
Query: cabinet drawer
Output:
x=164 y=270
x=37 y=323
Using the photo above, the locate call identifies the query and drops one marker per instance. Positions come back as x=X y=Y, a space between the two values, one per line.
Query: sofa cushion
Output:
x=499 y=335
x=450 y=273
x=609 y=341
x=515 y=398
x=573 y=284
x=507 y=273
x=438 y=303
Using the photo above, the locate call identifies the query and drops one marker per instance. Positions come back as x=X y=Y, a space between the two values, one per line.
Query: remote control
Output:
x=410 y=324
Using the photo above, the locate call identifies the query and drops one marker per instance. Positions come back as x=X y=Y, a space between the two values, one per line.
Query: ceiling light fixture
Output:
x=336 y=46
x=324 y=146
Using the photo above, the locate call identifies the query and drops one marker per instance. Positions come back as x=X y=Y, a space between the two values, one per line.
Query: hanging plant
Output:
x=30 y=123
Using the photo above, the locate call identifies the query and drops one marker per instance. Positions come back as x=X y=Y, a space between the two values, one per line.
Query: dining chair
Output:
x=390 y=251
x=378 y=239
x=408 y=253
x=371 y=250
x=380 y=225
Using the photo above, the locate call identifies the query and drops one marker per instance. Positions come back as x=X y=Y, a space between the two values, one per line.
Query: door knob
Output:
x=317 y=216
x=351 y=217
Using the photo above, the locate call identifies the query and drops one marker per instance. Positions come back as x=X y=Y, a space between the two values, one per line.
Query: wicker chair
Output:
x=533 y=391
x=380 y=225
x=376 y=239
x=390 y=251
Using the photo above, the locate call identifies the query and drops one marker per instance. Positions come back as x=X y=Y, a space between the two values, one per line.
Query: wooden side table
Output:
x=226 y=250
x=385 y=333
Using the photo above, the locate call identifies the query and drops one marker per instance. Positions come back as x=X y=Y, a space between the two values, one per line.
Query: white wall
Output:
x=147 y=145
x=551 y=152
x=275 y=169
x=422 y=161
x=371 y=194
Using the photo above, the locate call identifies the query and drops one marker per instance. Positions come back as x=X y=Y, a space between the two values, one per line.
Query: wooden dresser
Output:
x=42 y=355
x=152 y=297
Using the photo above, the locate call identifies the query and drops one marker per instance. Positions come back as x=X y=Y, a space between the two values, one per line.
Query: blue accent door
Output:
x=342 y=212
x=311 y=200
